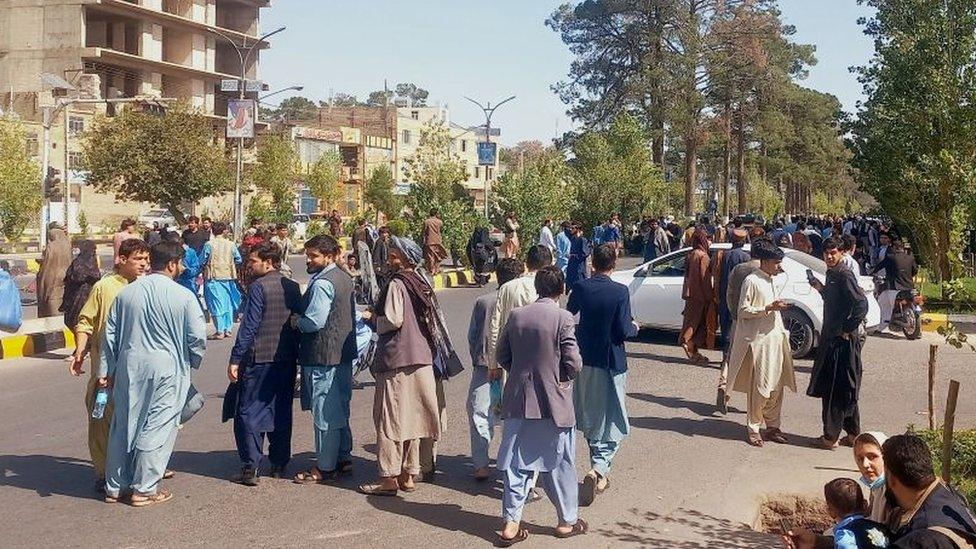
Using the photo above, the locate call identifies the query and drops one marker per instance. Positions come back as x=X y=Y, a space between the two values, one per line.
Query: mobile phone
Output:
x=810 y=278
x=786 y=525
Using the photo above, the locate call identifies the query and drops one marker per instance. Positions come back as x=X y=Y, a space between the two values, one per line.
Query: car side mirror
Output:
x=641 y=273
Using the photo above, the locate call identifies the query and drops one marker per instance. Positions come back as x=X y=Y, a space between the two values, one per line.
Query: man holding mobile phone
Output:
x=761 y=361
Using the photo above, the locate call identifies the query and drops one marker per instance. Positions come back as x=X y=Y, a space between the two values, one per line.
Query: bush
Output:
x=398 y=227
x=963 y=458
x=315 y=228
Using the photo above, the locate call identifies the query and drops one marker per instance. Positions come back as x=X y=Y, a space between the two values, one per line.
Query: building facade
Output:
x=123 y=48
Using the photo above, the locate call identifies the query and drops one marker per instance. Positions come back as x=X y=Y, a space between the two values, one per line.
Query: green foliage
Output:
x=275 y=175
x=963 y=458
x=165 y=160
x=436 y=174
x=614 y=173
x=379 y=191
x=542 y=189
x=83 y=223
x=20 y=201
x=914 y=140
x=315 y=228
x=323 y=178
x=409 y=92
x=398 y=226
x=297 y=108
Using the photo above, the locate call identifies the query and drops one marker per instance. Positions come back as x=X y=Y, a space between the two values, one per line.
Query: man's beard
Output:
x=310 y=269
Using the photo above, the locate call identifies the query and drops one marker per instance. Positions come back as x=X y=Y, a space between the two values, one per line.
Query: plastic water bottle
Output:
x=101 y=400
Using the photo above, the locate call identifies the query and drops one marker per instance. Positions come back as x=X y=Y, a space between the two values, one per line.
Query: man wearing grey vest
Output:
x=262 y=364
x=325 y=355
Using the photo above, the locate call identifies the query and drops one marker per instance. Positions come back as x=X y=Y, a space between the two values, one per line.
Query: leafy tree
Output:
x=340 y=99
x=524 y=152
x=614 y=173
x=914 y=139
x=542 y=189
x=436 y=174
x=167 y=160
x=21 y=199
x=416 y=96
x=379 y=191
x=379 y=98
x=297 y=108
x=324 y=179
x=275 y=174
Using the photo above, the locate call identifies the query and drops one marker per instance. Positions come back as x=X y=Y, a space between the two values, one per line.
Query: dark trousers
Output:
x=725 y=322
x=836 y=419
x=264 y=407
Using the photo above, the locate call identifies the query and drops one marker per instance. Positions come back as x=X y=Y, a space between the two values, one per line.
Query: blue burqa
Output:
x=154 y=334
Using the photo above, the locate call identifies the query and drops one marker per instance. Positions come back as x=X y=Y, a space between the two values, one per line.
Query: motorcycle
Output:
x=906 y=313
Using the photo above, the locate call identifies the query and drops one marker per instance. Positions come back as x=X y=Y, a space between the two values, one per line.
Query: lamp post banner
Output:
x=486 y=153
x=240 y=118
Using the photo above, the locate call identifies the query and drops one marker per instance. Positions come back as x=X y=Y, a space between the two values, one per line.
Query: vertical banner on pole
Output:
x=240 y=118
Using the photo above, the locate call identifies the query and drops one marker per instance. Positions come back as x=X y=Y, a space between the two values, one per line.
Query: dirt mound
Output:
x=801 y=512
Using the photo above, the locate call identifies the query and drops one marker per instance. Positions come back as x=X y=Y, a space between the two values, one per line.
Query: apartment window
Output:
x=32 y=144
x=76 y=126
x=76 y=160
x=488 y=174
x=464 y=145
x=415 y=115
x=477 y=172
x=406 y=137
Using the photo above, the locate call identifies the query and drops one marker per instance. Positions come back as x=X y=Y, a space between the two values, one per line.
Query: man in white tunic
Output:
x=154 y=334
x=761 y=362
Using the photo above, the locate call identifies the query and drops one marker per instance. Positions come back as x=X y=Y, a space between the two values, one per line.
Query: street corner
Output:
x=34 y=344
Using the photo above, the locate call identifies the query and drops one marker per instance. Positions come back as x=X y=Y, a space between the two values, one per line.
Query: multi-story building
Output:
x=154 y=48
x=464 y=143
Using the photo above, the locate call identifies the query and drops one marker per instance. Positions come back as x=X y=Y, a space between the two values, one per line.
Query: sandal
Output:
x=588 y=492
x=580 y=528
x=160 y=496
x=688 y=353
x=606 y=485
x=520 y=536
x=312 y=476
x=377 y=490
x=756 y=440
x=168 y=474
x=777 y=436
x=826 y=444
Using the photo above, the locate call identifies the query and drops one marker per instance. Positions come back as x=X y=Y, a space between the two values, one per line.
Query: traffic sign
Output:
x=229 y=85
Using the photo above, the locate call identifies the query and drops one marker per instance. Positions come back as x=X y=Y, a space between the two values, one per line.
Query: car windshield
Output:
x=669 y=266
x=156 y=213
x=807 y=260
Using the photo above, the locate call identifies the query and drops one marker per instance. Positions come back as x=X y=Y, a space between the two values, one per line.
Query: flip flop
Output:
x=377 y=490
x=580 y=528
x=520 y=536
x=588 y=492
x=310 y=477
x=145 y=501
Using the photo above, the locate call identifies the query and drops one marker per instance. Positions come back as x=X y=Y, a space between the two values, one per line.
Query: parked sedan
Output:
x=655 y=295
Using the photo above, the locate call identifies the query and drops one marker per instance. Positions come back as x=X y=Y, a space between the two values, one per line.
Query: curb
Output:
x=27 y=345
x=931 y=322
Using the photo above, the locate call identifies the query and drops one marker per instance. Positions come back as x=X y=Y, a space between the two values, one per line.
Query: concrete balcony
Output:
x=126 y=8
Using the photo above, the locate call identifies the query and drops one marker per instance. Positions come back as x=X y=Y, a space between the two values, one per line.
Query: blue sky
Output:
x=490 y=50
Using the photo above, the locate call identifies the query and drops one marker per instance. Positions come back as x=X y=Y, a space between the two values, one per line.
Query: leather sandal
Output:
x=756 y=440
x=139 y=500
x=376 y=490
x=520 y=536
x=580 y=528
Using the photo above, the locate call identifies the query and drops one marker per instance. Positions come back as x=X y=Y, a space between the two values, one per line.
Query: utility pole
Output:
x=489 y=111
x=244 y=54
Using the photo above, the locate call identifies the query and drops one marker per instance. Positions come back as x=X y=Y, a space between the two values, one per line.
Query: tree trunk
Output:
x=741 y=185
x=691 y=173
x=727 y=158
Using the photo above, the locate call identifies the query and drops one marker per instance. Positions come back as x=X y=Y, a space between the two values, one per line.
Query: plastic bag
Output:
x=11 y=314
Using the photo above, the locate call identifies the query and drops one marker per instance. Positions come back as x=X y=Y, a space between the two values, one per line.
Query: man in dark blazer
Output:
x=538 y=349
x=600 y=391
x=263 y=365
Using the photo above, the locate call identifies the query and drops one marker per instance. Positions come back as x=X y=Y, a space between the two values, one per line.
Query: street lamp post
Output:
x=489 y=111
x=244 y=54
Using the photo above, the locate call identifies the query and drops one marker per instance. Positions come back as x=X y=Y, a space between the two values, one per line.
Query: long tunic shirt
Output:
x=154 y=334
x=761 y=350
x=513 y=294
x=563 y=246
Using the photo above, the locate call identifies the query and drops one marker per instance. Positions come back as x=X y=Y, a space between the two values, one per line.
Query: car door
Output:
x=657 y=301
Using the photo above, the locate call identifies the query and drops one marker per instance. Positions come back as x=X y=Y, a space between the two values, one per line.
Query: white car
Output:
x=160 y=217
x=655 y=295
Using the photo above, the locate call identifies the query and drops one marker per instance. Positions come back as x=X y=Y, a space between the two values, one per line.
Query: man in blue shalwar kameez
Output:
x=578 y=252
x=262 y=364
x=325 y=355
x=600 y=391
x=154 y=334
x=219 y=260
x=563 y=245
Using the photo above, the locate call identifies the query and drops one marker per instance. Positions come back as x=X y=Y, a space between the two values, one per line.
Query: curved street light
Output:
x=489 y=111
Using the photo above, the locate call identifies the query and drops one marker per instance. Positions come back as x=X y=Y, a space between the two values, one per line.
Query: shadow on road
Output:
x=49 y=475
x=447 y=516
x=711 y=427
x=700 y=531
x=699 y=408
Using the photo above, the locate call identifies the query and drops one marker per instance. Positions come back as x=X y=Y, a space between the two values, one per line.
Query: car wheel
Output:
x=801 y=332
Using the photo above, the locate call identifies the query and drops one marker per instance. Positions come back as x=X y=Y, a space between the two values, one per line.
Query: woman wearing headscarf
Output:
x=81 y=275
x=50 y=278
x=405 y=404
x=481 y=254
x=697 y=293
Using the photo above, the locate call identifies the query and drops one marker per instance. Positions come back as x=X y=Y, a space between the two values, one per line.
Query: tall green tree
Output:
x=20 y=201
x=324 y=179
x=615 y=173
x=914 y=139
x=436 y=173
x=167 y=160
x=542 y=188
x=379 y=191
x=297 y=108
x=275 y=175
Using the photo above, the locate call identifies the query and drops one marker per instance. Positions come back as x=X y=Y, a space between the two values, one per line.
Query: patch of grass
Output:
x=963 y=458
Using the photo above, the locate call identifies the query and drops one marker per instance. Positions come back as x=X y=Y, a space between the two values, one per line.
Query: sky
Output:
x=490 y=50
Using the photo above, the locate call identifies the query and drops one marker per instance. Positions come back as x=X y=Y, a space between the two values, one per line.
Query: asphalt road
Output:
x=685 y=478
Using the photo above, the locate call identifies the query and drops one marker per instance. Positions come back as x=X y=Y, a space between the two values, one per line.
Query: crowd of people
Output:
x=544 y=365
